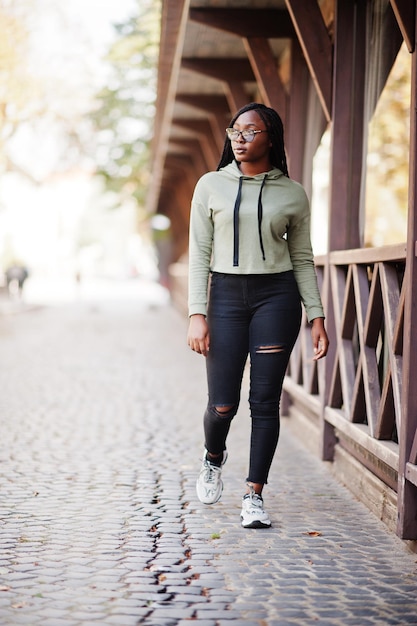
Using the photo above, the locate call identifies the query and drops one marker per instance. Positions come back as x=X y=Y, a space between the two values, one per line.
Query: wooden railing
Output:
x=356 y=393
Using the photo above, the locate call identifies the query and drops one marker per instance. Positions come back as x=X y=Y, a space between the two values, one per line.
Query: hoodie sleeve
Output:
x=302 y=258
x=200 y=252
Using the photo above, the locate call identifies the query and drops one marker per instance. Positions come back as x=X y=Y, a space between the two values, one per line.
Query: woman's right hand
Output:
x=198 y=337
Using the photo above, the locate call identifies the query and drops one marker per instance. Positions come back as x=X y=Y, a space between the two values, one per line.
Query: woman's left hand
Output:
x=320 y=338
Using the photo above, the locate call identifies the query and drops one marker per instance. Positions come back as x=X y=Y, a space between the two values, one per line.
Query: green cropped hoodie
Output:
x=250 y=225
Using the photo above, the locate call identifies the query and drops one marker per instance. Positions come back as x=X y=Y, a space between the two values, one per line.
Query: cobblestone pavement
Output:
x=101 y=412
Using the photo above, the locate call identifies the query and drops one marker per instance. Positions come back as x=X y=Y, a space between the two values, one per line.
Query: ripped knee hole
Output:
x=272 y=349
x=223 y=411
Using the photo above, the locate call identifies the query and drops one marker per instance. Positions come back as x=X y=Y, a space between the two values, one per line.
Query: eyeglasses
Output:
x=247 y=135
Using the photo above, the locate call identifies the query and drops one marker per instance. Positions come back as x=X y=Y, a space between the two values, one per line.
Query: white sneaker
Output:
x=209 y=484
x=253 y=514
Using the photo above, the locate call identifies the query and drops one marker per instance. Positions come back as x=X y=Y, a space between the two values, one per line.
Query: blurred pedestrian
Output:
x=16 y=276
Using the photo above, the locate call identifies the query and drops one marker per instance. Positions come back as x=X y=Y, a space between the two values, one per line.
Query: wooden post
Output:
x=407 y=491
x=347 y=126
x=346 y=163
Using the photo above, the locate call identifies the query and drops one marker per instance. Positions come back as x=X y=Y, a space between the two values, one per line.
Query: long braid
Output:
x=275 y=130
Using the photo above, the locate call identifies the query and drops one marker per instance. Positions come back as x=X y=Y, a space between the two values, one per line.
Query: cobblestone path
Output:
x=101 y=410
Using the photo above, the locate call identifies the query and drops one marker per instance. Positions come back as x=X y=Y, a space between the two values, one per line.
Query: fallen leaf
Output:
x=313 y=533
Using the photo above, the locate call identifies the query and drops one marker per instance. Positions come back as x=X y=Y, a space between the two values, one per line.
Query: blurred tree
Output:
x=37 y=108
x=125 y=107
x=17 y=85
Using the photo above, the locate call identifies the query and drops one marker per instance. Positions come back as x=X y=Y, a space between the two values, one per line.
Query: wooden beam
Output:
x=197 y=126
x=181 y=157
x=264 y=66
x=270 y=23
x=297 y=113
x=180 y=162
x=219 y=124
x=316 y=45
x=207 y=102
x=174 y=21
x=226 y=69
x=201 y=155
x=207 y=133
x=217 y=109
x=391 y=299
x=392 y=39
x=405 y=13
x=202 y=142
x=394 y=252
x=236 y=95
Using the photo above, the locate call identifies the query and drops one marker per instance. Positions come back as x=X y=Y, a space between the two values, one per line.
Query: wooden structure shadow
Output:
x=309 y=59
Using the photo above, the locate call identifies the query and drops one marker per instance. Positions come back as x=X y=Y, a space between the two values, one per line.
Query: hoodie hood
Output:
x=234 y=171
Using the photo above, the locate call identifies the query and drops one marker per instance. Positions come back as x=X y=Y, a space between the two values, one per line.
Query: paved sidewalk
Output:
x=101 y=420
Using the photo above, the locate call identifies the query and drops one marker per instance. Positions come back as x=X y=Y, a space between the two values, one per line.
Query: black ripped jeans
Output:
x=259 y=316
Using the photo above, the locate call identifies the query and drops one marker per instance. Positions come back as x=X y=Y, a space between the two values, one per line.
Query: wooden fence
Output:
x=350 y=402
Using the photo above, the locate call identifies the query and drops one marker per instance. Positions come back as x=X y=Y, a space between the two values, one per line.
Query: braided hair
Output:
x=275 y=129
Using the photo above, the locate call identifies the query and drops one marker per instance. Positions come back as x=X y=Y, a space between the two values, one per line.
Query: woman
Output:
x=249 y=230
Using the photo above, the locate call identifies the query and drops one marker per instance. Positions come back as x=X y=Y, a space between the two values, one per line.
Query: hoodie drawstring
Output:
x=236 y=224
x=236 y=221
x=260 y=211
